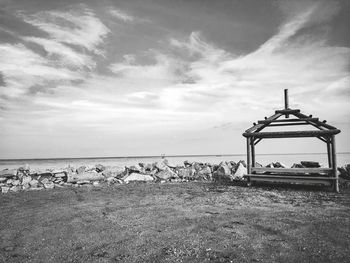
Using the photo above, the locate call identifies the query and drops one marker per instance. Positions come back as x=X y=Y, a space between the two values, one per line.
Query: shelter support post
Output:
x=329 y=153
x=253 y=151
x=248 y=159
x=334 y=164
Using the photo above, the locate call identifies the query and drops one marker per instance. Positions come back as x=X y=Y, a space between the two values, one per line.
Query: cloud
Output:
x=121 y=15
x=77 y=27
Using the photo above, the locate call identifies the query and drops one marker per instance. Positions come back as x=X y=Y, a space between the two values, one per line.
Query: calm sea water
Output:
x=287 y=159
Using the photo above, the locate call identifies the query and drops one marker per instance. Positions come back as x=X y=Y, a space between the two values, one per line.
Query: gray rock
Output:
x=16 y=182
x=87 y=176
x=49 y=185
x=114 y=171
x=5 y=189
x=223 y=172
x=240 y=172
x=8 y=173
x=100 y=168
x=81 y=169
x=186 y=172
x=137 y=177
x=2 y=179
x=310 y=164
x=15 y=188
x=166 y=175
x=34 y=183
x=26 y=179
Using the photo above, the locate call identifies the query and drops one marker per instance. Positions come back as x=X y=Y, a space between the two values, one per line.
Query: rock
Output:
x=297 y=165
x=186 y=172
x=16 y=182
x=162 y=165
x=270 y=165
x=5 y=189
x=240 y=172
x=114 y=171
x=44 y=181
x=310 y=164
x=25 y=186
x=26 y=179
x=86 y=176
x=278 y=165
x=81 y=169
x=223 y=172
x=258 y=165
x=187 y=164
x=60 y=174
x=49 y=185
x=15 y=188
x=34 y=183
x=137 y=177
x=344 y=172
x=148 y=167
x=100 y=168
x=166 y=175
x=2 y=179
x=133 y=169
x=84 y=182
x=8 y=173
x=9 y=181
x=204 y=173
x=96 y=183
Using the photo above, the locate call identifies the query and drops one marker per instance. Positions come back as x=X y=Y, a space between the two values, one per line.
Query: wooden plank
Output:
x=286 y=102
x=291 y=170
x=291 y=180
x=319 y=123
x=287 y=124
x=253 y=152
x=257 y=141
x=287 y=111
x=288 y=120
x=291 y=134
x=290 y=177
x=261 y=126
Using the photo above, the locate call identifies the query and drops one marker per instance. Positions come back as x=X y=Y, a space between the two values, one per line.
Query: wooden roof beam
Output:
x=319 y=123
x=292 y=134
x=288 y=120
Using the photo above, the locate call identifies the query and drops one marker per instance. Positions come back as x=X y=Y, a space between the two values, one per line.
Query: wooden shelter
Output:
x=324 y=132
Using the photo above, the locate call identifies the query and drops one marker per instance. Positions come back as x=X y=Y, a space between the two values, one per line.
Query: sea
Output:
x=264 y=159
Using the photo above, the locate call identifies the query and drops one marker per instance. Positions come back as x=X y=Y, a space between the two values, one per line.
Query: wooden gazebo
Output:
x=324 y=132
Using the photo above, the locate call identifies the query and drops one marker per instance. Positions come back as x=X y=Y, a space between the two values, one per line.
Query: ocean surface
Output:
x=264 y=159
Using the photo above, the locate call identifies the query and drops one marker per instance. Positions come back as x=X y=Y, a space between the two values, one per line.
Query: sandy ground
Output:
x=174 y=222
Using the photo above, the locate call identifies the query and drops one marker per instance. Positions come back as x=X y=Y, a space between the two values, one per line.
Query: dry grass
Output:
x=173 y=222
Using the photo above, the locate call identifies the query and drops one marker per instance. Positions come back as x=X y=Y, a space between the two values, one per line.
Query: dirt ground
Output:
x=175 y=222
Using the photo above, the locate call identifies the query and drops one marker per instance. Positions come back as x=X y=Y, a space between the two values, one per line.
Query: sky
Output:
x=151 y=77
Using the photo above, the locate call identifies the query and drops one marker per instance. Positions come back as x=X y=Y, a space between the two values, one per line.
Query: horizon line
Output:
x=160 y=156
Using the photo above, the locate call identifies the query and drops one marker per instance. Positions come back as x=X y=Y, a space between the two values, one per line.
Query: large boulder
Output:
x=344 y=171
x=203 y=174
x=166 y=175
x=223 y=173
x=137 y=177
x=99 y=168
x=240 y=172
x=87 y=176
x=8 y=173
x=186 y=172
x=81 y=169
x=310 y=164
x=114 y=171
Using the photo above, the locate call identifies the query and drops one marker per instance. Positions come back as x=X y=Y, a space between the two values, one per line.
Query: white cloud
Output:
x=81 y=28
x=121 y=15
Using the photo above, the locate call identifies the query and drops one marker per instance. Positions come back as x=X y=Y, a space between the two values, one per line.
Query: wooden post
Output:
x=253 y=151
x=248 y=160
x=334 y=164
x=286 y=102
x=329 y=154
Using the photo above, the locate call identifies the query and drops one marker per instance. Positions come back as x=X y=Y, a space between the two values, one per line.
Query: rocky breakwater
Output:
x=23 y=178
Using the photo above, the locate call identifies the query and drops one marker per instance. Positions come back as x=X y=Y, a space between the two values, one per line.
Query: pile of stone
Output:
x=344 y=172
x=13 y=180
